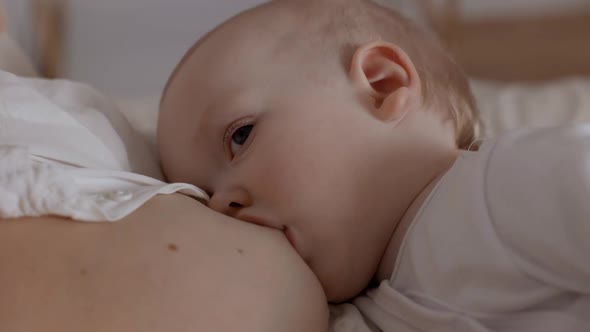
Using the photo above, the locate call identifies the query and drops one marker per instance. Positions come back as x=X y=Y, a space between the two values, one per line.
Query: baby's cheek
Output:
x=282 y=174
x=303 y=189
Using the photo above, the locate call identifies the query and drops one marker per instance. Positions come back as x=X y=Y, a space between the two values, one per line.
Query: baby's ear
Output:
x=388 y=76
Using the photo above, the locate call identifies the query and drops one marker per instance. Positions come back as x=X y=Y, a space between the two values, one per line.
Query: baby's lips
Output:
x=290 y=237
x=256 y=221
x=265 y=223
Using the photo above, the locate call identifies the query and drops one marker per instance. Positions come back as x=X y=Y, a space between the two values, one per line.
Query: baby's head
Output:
x=323 y=119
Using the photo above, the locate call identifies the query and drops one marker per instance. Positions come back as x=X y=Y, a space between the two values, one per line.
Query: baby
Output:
x=347 y=127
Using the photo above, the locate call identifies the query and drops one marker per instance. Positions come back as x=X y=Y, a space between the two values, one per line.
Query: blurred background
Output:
x=129 y=47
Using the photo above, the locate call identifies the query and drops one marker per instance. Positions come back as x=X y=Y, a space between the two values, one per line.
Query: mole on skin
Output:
x=173 y=247
x=241 y=251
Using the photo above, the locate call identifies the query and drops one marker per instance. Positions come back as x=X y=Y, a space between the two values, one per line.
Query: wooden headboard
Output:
x=49 y=17
x=520 y=48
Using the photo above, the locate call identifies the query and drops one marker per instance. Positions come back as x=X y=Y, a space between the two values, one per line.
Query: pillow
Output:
x=13 y=59
x=142 y=113
x=507 y=106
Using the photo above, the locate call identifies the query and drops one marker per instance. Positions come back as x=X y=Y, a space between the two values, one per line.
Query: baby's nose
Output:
x=229 y=202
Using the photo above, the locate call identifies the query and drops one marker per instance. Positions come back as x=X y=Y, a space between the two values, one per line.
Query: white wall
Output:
x=129 y=47
x=19 y=21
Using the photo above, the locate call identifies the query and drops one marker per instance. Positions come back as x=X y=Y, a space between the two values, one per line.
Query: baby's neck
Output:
x=387 y=264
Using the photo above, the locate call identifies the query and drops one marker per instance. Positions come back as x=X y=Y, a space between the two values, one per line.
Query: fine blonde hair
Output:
x=344 y=25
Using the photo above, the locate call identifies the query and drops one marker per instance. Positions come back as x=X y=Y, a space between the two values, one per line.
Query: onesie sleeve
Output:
x=538 y=198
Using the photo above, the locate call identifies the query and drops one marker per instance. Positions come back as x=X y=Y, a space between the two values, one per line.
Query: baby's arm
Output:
x=539 y=198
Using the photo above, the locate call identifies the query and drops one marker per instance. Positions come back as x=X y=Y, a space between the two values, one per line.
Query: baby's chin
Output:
x=340 y=290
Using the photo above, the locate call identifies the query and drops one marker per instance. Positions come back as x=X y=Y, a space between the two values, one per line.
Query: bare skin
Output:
x=336 y=163
x=173 y=265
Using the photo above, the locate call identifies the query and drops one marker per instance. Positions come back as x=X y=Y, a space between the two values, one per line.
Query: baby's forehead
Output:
x=262 y=45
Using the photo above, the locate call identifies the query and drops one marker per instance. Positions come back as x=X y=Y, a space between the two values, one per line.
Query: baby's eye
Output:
x=239 y=138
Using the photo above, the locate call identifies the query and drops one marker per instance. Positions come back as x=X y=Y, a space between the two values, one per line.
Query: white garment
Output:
x=501 y=244
x=65 y=150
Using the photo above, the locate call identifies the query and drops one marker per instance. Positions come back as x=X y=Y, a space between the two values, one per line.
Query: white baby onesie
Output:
x=66 y=150
x=501 y=244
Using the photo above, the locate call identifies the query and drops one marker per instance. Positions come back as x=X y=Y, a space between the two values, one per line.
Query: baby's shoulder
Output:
x=534 y=177
x=539 y=157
